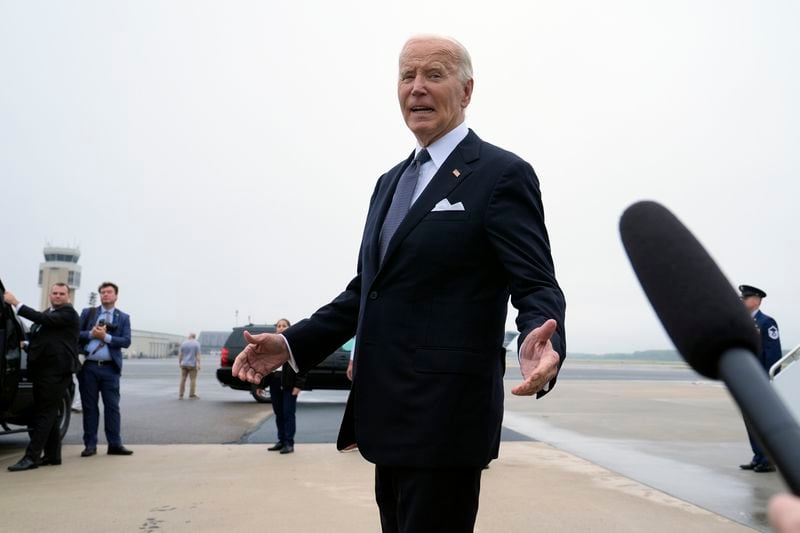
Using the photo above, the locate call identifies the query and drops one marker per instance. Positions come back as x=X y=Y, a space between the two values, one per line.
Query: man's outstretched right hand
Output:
x=264 y=353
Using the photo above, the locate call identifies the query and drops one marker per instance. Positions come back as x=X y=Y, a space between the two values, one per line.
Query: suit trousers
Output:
x=759 y=456
x=284 y=405
x=420 y=500
x=95 y=381
x=48 y=393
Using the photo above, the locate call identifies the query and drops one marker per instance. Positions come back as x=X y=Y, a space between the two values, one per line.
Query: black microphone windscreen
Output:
x=696 y=304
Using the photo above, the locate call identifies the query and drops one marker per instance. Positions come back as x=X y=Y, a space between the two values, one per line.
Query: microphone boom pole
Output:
x=770 y=419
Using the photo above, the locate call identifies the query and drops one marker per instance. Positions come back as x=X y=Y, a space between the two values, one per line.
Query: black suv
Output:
x=16 y=392
x=331 y=373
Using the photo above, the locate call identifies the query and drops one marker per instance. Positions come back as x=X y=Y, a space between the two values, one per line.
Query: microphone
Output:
x=708 y=324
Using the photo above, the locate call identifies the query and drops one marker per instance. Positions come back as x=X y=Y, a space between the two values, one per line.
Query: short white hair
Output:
x=463 y=60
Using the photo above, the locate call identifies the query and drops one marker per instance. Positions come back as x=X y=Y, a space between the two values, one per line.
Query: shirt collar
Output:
x=444 y=146
x=109 y=311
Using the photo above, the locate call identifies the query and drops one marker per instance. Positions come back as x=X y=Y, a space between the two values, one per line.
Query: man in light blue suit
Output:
x=105 y=330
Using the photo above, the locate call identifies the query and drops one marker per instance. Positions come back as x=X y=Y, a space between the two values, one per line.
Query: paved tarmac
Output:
x=198 y=488
x=631 y=454
x=685 y=438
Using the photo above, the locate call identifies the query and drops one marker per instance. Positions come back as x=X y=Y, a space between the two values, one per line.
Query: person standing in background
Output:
x=105 y=330
x=53 y=357
x=284 y=388
x=189 y=363
x=770 y=354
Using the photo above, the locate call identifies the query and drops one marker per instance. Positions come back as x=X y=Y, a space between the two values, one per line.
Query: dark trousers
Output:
x=419 y=500
x=284 y=405
x=48 y=394
x=95 y=381
x=759 y=456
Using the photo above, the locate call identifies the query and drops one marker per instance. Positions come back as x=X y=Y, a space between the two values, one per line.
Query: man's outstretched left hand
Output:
x=263 y=354
x=538 y=361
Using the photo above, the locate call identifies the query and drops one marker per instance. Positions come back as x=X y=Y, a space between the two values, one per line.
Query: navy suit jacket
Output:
x=121 y=338
x=429 y=320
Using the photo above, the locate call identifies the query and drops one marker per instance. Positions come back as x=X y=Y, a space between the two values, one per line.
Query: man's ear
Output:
x=465 y=100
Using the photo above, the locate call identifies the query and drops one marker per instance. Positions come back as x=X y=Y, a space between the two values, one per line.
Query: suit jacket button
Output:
x=373 y=295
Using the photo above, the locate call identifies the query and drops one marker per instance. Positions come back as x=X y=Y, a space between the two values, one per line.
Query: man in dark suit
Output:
x=105 y=330
x=770 y=354
x=428 y=305
x=52 y=358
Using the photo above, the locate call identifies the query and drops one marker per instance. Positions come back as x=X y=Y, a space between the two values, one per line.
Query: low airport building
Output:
x=152 y=345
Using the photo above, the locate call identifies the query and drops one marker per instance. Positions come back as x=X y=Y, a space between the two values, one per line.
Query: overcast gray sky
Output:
x=219 y=156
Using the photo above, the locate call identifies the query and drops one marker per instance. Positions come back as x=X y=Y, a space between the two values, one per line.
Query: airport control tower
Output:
x=60 y=266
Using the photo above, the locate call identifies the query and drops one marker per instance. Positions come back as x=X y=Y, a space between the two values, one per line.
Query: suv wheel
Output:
x=260 y=395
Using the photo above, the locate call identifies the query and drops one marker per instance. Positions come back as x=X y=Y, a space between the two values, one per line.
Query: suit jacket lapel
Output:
x=450 y=175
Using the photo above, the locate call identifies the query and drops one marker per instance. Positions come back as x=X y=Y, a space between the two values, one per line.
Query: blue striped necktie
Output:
x=401 y=201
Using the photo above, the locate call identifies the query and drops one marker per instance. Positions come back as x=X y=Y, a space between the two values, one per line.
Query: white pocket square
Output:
x=444 y=205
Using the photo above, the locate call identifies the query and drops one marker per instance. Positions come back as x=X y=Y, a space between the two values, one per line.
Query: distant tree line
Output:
x=645 y=355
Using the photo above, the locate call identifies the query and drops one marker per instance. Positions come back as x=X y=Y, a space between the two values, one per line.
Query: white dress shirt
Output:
x=439 y=151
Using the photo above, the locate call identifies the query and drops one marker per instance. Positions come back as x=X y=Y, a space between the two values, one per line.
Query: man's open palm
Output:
x=538 y=361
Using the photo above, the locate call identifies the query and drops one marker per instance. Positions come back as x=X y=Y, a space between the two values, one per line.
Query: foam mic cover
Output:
x=697 y=305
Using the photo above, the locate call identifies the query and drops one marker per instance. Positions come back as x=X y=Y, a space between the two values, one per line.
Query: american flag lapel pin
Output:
x=456 y=172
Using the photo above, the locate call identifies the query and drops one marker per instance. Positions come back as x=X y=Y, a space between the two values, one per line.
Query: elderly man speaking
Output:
x=452 y=231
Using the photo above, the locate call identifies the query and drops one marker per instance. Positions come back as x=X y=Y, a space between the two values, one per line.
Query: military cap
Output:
x=749 y=290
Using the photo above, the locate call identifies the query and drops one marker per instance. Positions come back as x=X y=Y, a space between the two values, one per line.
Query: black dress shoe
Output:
x=26 y=463
x=119 y=450
x=287 y=449
x=748 y=466
x=278 y=446
x=88 y=452
x=50 y=461
x=763 y=467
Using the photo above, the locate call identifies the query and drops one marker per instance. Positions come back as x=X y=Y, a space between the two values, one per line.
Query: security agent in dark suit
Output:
x=428 y=305
x=770 y=354
x=105 y=330
x=52 y=358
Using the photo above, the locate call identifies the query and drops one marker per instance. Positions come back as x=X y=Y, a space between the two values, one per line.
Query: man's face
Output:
x=108 y=296
x=751 y=302
x=59 y=295
x=432 y=98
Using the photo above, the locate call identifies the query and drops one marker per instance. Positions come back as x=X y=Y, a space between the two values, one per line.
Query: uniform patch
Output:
x=773 y=333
